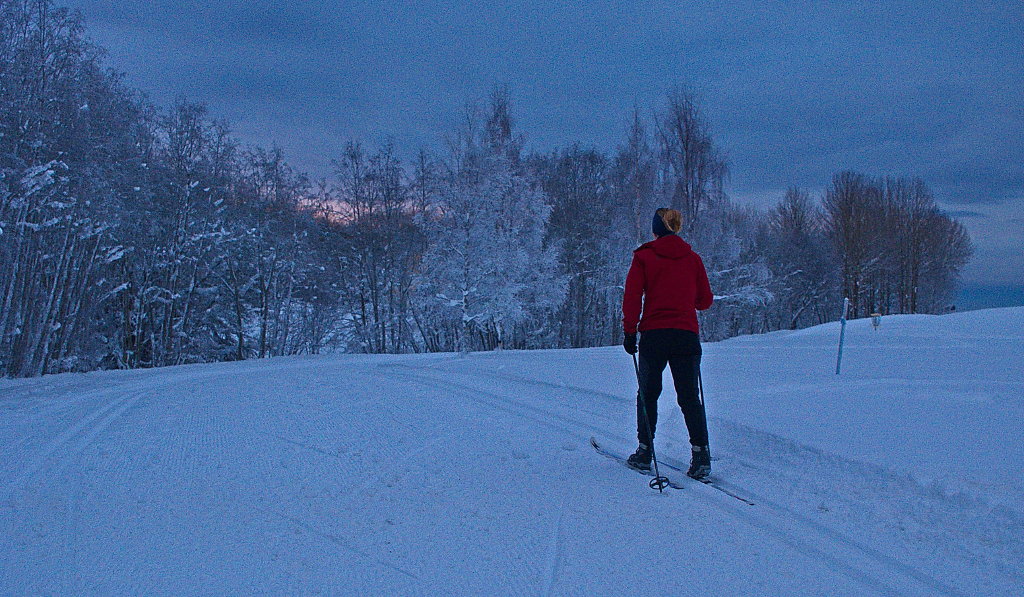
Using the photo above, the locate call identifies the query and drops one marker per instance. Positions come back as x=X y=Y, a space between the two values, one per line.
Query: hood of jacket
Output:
x=669 y=246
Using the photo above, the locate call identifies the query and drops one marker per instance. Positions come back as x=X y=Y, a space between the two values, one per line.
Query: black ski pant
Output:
x=680 y=350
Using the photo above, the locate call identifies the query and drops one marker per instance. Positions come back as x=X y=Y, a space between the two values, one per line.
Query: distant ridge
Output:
x=986 y=296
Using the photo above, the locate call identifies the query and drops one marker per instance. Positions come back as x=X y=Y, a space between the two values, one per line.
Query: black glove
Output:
x=629 y=343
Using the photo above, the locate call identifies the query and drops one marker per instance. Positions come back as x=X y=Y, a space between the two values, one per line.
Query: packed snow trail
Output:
x=428 y=474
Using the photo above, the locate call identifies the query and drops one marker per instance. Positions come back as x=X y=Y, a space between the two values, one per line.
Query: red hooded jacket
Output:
x=668 y=281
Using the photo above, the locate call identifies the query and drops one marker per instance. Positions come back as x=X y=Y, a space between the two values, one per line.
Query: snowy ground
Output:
x=472 y=475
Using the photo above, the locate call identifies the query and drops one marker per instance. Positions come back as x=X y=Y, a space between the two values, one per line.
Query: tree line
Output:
x=135 y=236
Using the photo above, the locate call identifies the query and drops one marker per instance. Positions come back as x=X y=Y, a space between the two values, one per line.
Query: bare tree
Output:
x=693 y=169
x=893 y=242
x=801 y=261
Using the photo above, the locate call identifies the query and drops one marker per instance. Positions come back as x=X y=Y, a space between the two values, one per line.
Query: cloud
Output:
x=965 y=213
x=998 y=239
x=795 y=91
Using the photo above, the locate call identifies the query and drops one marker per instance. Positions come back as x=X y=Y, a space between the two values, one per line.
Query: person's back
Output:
x=666 y=285
x=673 y=283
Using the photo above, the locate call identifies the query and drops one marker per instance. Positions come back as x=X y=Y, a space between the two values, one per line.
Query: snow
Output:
x=426 y=474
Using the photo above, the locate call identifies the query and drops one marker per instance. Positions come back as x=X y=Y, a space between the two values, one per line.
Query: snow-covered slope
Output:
x=433 y=474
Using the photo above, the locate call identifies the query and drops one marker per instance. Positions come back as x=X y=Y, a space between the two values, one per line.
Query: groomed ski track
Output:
x=449 y=474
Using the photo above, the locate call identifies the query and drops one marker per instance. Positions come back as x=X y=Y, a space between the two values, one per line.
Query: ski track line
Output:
x=504 y=403
x=555 y=559
x=352 y=493
x=932 y=583
x=129 y=391
x=807 y=549
x=87 y=426
x=798 y=545
x=614 y=398
x=91 y=435
x=508 y=399
x=339 y=541
x=57 y=411
x=118 y=405
x=308 y=446
x=350 y=497
x=785 y=512
x=937 y=585
x=830 y=535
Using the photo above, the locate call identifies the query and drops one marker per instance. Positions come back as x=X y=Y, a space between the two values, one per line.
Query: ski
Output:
x=622 y=460
x=709 y=481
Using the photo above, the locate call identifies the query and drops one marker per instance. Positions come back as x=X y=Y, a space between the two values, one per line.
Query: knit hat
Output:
x=666 y=221
x=658 y=227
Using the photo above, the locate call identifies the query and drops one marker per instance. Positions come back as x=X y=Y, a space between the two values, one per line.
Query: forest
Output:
x=134 y=235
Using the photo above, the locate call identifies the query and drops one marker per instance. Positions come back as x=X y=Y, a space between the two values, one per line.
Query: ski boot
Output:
x=641 y=459
x=700 y=463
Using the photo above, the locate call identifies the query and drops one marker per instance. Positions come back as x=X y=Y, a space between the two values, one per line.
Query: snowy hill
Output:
x=442 y=474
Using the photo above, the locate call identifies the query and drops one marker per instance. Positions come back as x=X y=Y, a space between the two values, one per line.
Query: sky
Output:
x=795 y=91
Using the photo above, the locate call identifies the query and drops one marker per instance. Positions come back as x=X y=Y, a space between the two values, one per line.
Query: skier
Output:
x=668 y=283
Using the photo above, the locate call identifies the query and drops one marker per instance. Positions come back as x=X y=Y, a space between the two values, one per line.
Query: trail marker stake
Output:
x=842 y=333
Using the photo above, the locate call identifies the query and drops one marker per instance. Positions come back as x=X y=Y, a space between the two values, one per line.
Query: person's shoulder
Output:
x=697 y=263
x=644 y=254
x=648 y=246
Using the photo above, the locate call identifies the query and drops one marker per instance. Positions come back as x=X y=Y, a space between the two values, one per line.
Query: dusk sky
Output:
x=795 y=91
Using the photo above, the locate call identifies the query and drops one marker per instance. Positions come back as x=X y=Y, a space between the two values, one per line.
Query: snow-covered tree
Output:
x=135 y=236
x=488 y=267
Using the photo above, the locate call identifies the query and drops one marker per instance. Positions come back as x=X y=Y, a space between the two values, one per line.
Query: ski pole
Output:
x=700 y=386
x=658 y=482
